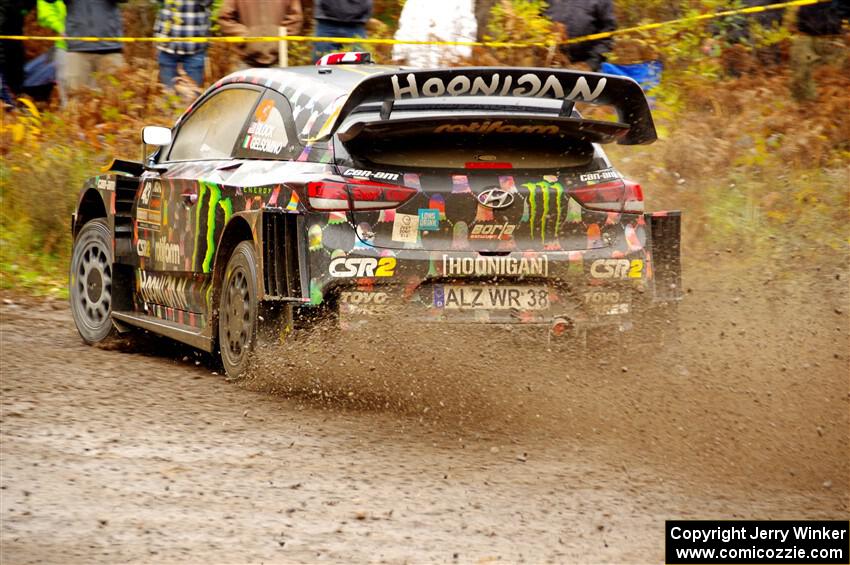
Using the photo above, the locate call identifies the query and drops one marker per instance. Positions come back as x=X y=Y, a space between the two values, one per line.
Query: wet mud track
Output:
x=110 y=455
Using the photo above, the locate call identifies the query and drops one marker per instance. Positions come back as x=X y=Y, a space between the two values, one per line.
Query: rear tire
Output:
x=237 y=313
x=90 y=282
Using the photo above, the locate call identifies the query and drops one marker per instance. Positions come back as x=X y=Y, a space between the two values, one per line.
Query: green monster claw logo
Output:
x=545 y=188
x=215 y=202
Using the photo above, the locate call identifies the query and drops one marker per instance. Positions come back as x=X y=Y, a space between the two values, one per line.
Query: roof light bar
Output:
x=349 y=58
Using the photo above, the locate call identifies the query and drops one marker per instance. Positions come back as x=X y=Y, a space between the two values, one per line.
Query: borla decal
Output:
x=527 y=85
x=495 y=266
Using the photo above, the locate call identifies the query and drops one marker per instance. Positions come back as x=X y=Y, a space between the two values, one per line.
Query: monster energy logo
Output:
x=205 y=223
x=540 y=195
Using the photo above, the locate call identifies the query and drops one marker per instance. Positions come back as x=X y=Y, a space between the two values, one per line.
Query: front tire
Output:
x=237 y=313
x=90 y=282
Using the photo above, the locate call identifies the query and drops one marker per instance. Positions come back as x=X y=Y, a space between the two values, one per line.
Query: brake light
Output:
x=354 y=194
x=614 y=196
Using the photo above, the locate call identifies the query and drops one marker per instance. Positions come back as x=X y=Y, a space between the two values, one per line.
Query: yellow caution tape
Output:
x=381 y=41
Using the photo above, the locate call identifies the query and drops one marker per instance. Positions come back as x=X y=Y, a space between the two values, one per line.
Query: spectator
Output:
x=94 y=18
x=817 y=24
x=255 y=18
x=12 y=14
x=176 y=19
x=51 y=15
x=483 y=11
x=339 y=18
x=435 y=20
x=585 y=17
x=822 y=19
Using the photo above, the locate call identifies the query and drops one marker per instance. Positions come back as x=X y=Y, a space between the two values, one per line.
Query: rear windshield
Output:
x=455 y=151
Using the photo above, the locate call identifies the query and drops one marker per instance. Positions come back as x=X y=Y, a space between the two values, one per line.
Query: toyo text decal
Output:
x=527 y=85
x=540 y=195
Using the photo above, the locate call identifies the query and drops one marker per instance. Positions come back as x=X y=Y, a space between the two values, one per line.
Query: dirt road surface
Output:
x=362 y=453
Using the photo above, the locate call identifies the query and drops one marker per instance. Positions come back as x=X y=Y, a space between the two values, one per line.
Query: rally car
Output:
x=357 y=192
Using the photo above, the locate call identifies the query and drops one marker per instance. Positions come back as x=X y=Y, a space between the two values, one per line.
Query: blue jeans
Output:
x=325 y=28
x=193 y=65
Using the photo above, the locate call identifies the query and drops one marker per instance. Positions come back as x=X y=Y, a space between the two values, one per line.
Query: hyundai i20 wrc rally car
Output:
x=361 y=192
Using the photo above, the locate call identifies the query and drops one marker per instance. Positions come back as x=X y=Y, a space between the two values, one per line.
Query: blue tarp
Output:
x=647 y=75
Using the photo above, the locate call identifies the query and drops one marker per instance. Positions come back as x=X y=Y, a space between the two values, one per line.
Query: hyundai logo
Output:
x=496 y=198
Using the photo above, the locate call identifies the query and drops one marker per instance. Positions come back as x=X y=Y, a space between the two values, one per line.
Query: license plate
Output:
x=474 y=297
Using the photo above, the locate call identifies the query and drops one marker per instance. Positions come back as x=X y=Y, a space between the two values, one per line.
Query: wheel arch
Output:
x=90 y=207
x=237 y=230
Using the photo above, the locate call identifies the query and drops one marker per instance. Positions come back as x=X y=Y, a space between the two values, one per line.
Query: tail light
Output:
x=353 y=194
x=613 y=196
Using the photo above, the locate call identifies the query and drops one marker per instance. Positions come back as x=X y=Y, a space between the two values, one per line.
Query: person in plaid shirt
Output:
x=176 y=19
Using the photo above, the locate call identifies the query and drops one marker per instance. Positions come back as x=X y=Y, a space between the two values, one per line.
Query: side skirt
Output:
x=177 y=332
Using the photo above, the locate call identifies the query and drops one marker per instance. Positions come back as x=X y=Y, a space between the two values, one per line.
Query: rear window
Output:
x=456 y=150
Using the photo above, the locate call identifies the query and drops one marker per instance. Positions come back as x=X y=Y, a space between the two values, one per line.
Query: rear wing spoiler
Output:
x=622 y=93
x=366 y=131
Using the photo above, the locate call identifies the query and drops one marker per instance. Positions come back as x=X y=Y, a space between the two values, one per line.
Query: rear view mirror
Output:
x=156 y=135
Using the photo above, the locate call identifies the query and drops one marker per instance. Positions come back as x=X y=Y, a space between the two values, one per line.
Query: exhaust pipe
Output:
x=560 y=327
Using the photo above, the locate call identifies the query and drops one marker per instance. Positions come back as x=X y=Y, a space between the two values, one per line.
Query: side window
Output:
x=210 y=132
x=270 y=133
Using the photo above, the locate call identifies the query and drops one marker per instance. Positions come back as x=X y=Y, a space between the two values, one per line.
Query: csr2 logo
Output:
x=616 y=269
x=362 y=267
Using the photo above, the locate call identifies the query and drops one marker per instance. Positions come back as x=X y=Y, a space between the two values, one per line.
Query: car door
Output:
x=182 y=206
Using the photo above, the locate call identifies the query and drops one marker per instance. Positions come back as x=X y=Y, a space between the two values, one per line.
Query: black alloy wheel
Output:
x=90 y=282
x=237 y=314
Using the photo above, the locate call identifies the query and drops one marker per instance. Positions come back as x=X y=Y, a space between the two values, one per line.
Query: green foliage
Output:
x=521 y=21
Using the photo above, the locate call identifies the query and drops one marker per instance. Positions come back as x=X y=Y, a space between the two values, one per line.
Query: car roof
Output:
x=315 y=92
x=322 y=97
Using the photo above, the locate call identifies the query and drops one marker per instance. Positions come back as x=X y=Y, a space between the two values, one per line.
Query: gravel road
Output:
x=360 y=453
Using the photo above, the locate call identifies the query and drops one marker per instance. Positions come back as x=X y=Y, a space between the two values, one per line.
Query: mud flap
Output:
x=665 y=232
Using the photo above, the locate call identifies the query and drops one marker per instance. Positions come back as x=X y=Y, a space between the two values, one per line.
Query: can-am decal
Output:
x=527 y=85
x=604 y=174
x=495 y=266
x=366 y=173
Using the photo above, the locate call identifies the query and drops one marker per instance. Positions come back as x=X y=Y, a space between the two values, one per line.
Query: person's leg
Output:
x=167 y=68
x=321 y=48
x=110 y=63
x=60 y=60
x=333 y=29
x=76 y=70
x=193 y=65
